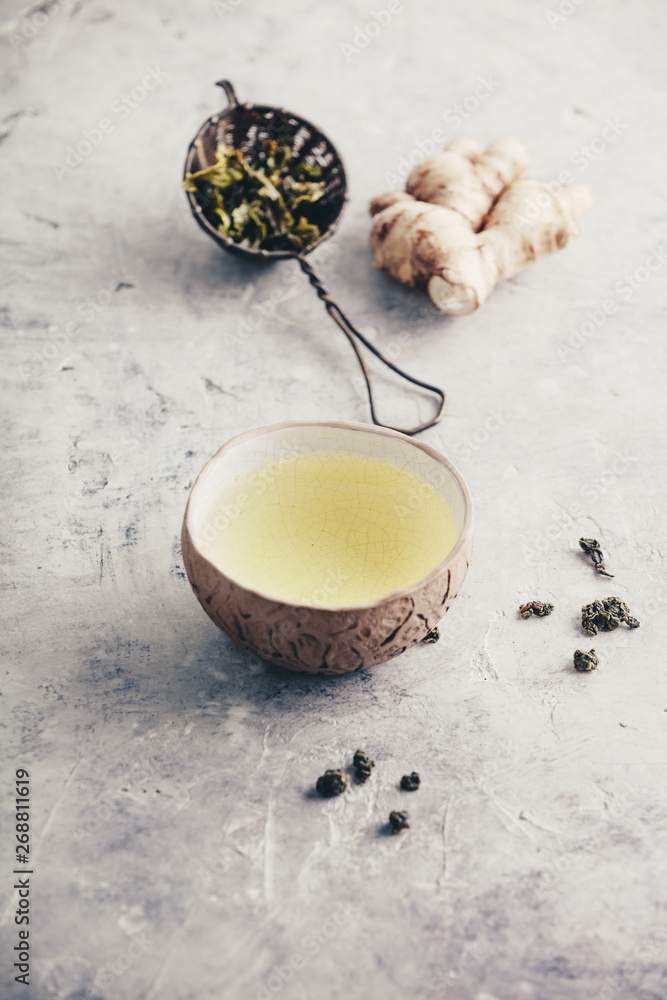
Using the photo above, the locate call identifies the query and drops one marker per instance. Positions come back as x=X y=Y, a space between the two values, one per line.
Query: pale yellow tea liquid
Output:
x=328 y=529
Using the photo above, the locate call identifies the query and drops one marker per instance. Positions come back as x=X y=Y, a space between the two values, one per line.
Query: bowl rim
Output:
x=462 y=542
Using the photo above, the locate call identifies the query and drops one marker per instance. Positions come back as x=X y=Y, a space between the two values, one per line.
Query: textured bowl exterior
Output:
x=318 y=640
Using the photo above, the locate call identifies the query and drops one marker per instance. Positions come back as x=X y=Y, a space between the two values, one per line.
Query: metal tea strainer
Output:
x=248 y=127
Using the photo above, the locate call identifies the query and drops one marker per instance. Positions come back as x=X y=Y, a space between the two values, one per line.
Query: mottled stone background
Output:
x=179 y=852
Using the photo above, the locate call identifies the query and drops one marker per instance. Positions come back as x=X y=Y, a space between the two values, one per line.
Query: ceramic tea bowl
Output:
x=323 y=639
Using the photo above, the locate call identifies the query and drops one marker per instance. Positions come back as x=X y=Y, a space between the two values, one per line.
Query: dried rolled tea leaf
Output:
x=331 y=783
x=263 y=203
x=594 y=616
x=538 y=608
x=606 y=615
x=584 y=661
x=410 y=782
x=620 y=610
x=591 y=547
x=363 y=766
x=432 y=636
x=398 y=821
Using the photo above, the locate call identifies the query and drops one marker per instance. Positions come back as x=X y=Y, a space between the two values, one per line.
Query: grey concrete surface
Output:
x=178 y=850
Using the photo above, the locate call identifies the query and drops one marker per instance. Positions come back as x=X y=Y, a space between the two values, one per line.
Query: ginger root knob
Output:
x=468 y=220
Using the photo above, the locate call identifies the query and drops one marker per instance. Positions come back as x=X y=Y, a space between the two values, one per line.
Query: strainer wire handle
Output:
x=354 y=335
x=229 y=91
x=350 y=330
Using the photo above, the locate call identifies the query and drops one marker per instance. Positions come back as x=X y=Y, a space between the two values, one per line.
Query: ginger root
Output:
x=466 y=179
x=468 y=220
